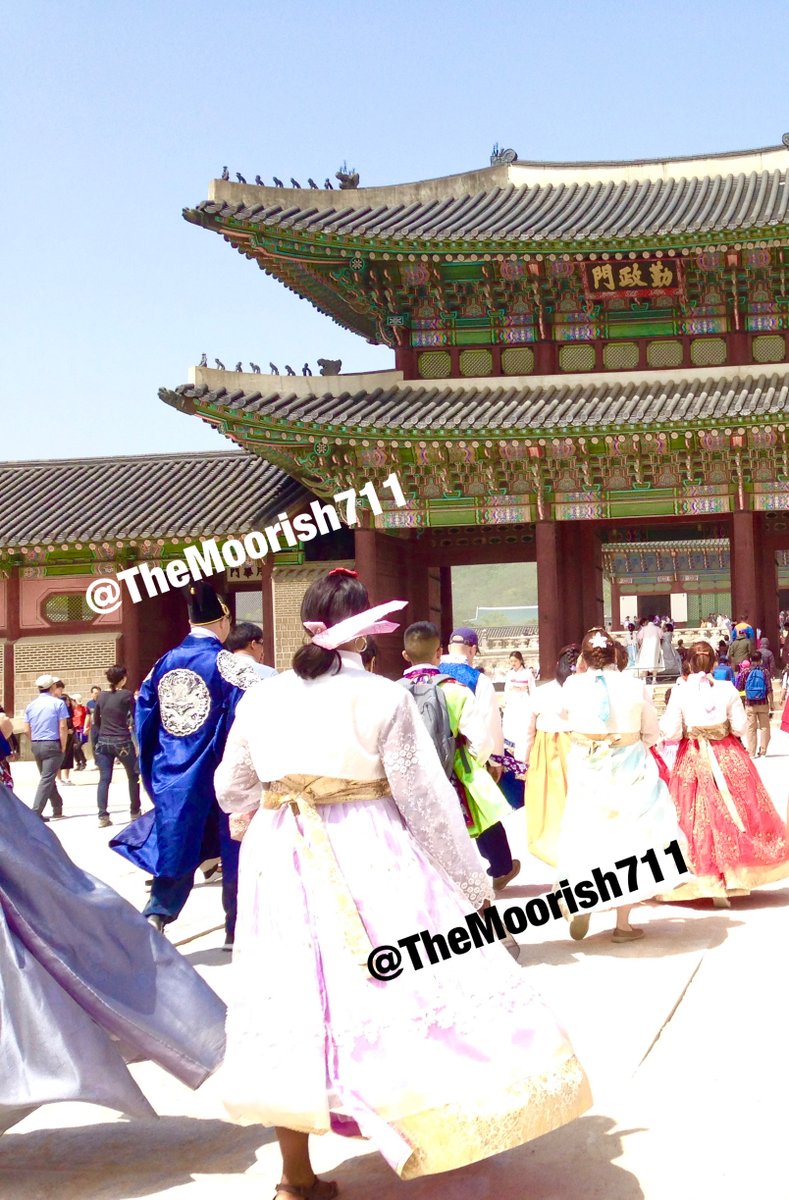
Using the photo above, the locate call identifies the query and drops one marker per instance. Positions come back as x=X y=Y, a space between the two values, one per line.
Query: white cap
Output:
x=76 y=695
x=45 y=681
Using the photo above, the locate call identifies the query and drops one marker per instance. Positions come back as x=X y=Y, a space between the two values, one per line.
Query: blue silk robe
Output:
x=184 y=712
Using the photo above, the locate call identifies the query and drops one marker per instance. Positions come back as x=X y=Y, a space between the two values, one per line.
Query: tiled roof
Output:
x=550 y=403
x=573 y=210
x=158 y=495
x=510 y=632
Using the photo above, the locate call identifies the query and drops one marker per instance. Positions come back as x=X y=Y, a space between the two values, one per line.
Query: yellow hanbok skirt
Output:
x=545 y=794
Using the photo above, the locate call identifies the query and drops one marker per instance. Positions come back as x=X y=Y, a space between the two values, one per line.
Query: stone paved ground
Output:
x=682 y=1036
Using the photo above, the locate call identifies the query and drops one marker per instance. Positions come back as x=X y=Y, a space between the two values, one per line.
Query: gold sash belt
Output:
x=705 y=735
x=608 y=739
x=304 y=794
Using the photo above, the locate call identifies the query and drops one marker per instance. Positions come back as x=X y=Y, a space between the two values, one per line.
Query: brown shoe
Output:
x=104 y=821
x=501 y=881
x=627 y=935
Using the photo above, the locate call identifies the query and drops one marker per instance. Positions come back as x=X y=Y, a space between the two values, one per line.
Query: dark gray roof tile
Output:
x=580 y=403
x=549 y=211
x=160 y=495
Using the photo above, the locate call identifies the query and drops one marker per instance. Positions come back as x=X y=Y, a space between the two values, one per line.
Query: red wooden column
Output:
x=616 y=620
x=767 y=580
x=549 y=596
x=12 y=633
x=447 y=621
x=591 y=557
x=267 y=599
x=129 y=648
x=366 y=556
x=745 y=592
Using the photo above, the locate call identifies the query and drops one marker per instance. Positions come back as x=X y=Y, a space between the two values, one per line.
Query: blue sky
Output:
x=117 y=115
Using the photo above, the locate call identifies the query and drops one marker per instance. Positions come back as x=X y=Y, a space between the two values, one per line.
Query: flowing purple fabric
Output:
x=86 y=981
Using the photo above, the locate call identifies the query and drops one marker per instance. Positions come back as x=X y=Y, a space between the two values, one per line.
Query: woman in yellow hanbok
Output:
x=547 y=744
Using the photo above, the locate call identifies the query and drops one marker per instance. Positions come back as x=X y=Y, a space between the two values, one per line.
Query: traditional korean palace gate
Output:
x=591 y=372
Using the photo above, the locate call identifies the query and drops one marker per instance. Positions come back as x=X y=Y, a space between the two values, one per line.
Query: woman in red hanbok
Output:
x=737 y=841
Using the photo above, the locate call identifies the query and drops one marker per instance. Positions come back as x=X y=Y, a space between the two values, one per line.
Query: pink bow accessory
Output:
x=367 y=622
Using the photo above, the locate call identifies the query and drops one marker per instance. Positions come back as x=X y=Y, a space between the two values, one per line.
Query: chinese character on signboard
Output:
x=639 y=275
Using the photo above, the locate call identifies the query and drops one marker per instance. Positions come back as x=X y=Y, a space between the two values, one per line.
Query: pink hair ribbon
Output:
x=367 y=622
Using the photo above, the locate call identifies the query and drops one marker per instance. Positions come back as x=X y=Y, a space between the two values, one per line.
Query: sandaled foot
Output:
x=579 y=927
x=321 y=1189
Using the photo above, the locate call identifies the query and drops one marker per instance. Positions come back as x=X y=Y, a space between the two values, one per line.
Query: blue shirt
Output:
x=43 y=714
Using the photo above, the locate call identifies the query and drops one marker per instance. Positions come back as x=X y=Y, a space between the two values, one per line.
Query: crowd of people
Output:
x=348 y=810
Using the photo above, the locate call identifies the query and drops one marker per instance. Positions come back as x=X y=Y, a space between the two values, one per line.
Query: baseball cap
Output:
x=76 y=695
x=45 y=681
x=465 y=635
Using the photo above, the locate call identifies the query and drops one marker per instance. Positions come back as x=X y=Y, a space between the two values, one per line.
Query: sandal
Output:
x=320 y=1189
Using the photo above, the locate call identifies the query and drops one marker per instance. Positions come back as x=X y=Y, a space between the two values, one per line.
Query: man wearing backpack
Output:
x=461 y=735
x=758 y=697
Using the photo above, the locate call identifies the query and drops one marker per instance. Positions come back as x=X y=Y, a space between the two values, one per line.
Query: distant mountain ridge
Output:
x=504 y=585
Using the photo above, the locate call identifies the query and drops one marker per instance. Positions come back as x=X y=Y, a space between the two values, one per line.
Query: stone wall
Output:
x=290 y=584
x=80 y=660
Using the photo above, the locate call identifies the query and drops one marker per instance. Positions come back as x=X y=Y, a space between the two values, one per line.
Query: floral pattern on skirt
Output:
x=722 y=857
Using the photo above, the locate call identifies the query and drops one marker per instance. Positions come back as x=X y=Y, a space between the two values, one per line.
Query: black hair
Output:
x=420 y=641
x=241 y=635
x=756 y=657
x=115 y=675
x=330 y=599
x=517 y=654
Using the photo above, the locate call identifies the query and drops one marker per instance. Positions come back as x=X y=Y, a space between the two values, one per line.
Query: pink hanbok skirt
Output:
x=440 y=1067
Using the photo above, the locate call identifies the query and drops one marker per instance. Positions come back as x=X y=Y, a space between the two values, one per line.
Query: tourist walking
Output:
x=78 y=716
x=354 y=839
x=458 y=663
x=672 y=663
x=46 y=724
x=64 y=773
x=113 y=718
x=87 y=984
x=650 y=659
x=617 y=805
x=184 y=711
x=482 y=803
x=89 y=728
x=736 y=839
x=546 y=750
x=740 y=648
x=758 y=707
x=246 y=641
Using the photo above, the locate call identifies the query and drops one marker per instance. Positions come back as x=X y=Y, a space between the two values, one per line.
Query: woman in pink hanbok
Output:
x=355 y=840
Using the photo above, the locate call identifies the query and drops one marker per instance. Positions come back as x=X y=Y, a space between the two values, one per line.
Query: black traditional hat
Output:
x=205 y=606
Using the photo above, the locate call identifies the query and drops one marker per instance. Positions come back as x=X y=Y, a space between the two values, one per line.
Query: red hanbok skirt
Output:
x=723 y=858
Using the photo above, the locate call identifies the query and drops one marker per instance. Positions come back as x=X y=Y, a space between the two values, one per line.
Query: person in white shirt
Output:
x=246 y=640
x=736 y=839
x=618 y=808
x=354 y=840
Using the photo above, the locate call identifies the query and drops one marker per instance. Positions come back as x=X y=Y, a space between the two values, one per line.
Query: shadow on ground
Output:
x=125 y=1159
x=575 y=1161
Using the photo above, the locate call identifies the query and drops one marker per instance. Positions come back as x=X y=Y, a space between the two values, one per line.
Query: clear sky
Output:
x=116 y=115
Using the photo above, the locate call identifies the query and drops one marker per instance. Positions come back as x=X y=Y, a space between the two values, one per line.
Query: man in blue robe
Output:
x=184 y=713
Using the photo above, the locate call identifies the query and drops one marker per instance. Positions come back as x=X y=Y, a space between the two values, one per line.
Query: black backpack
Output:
x=432 y=705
